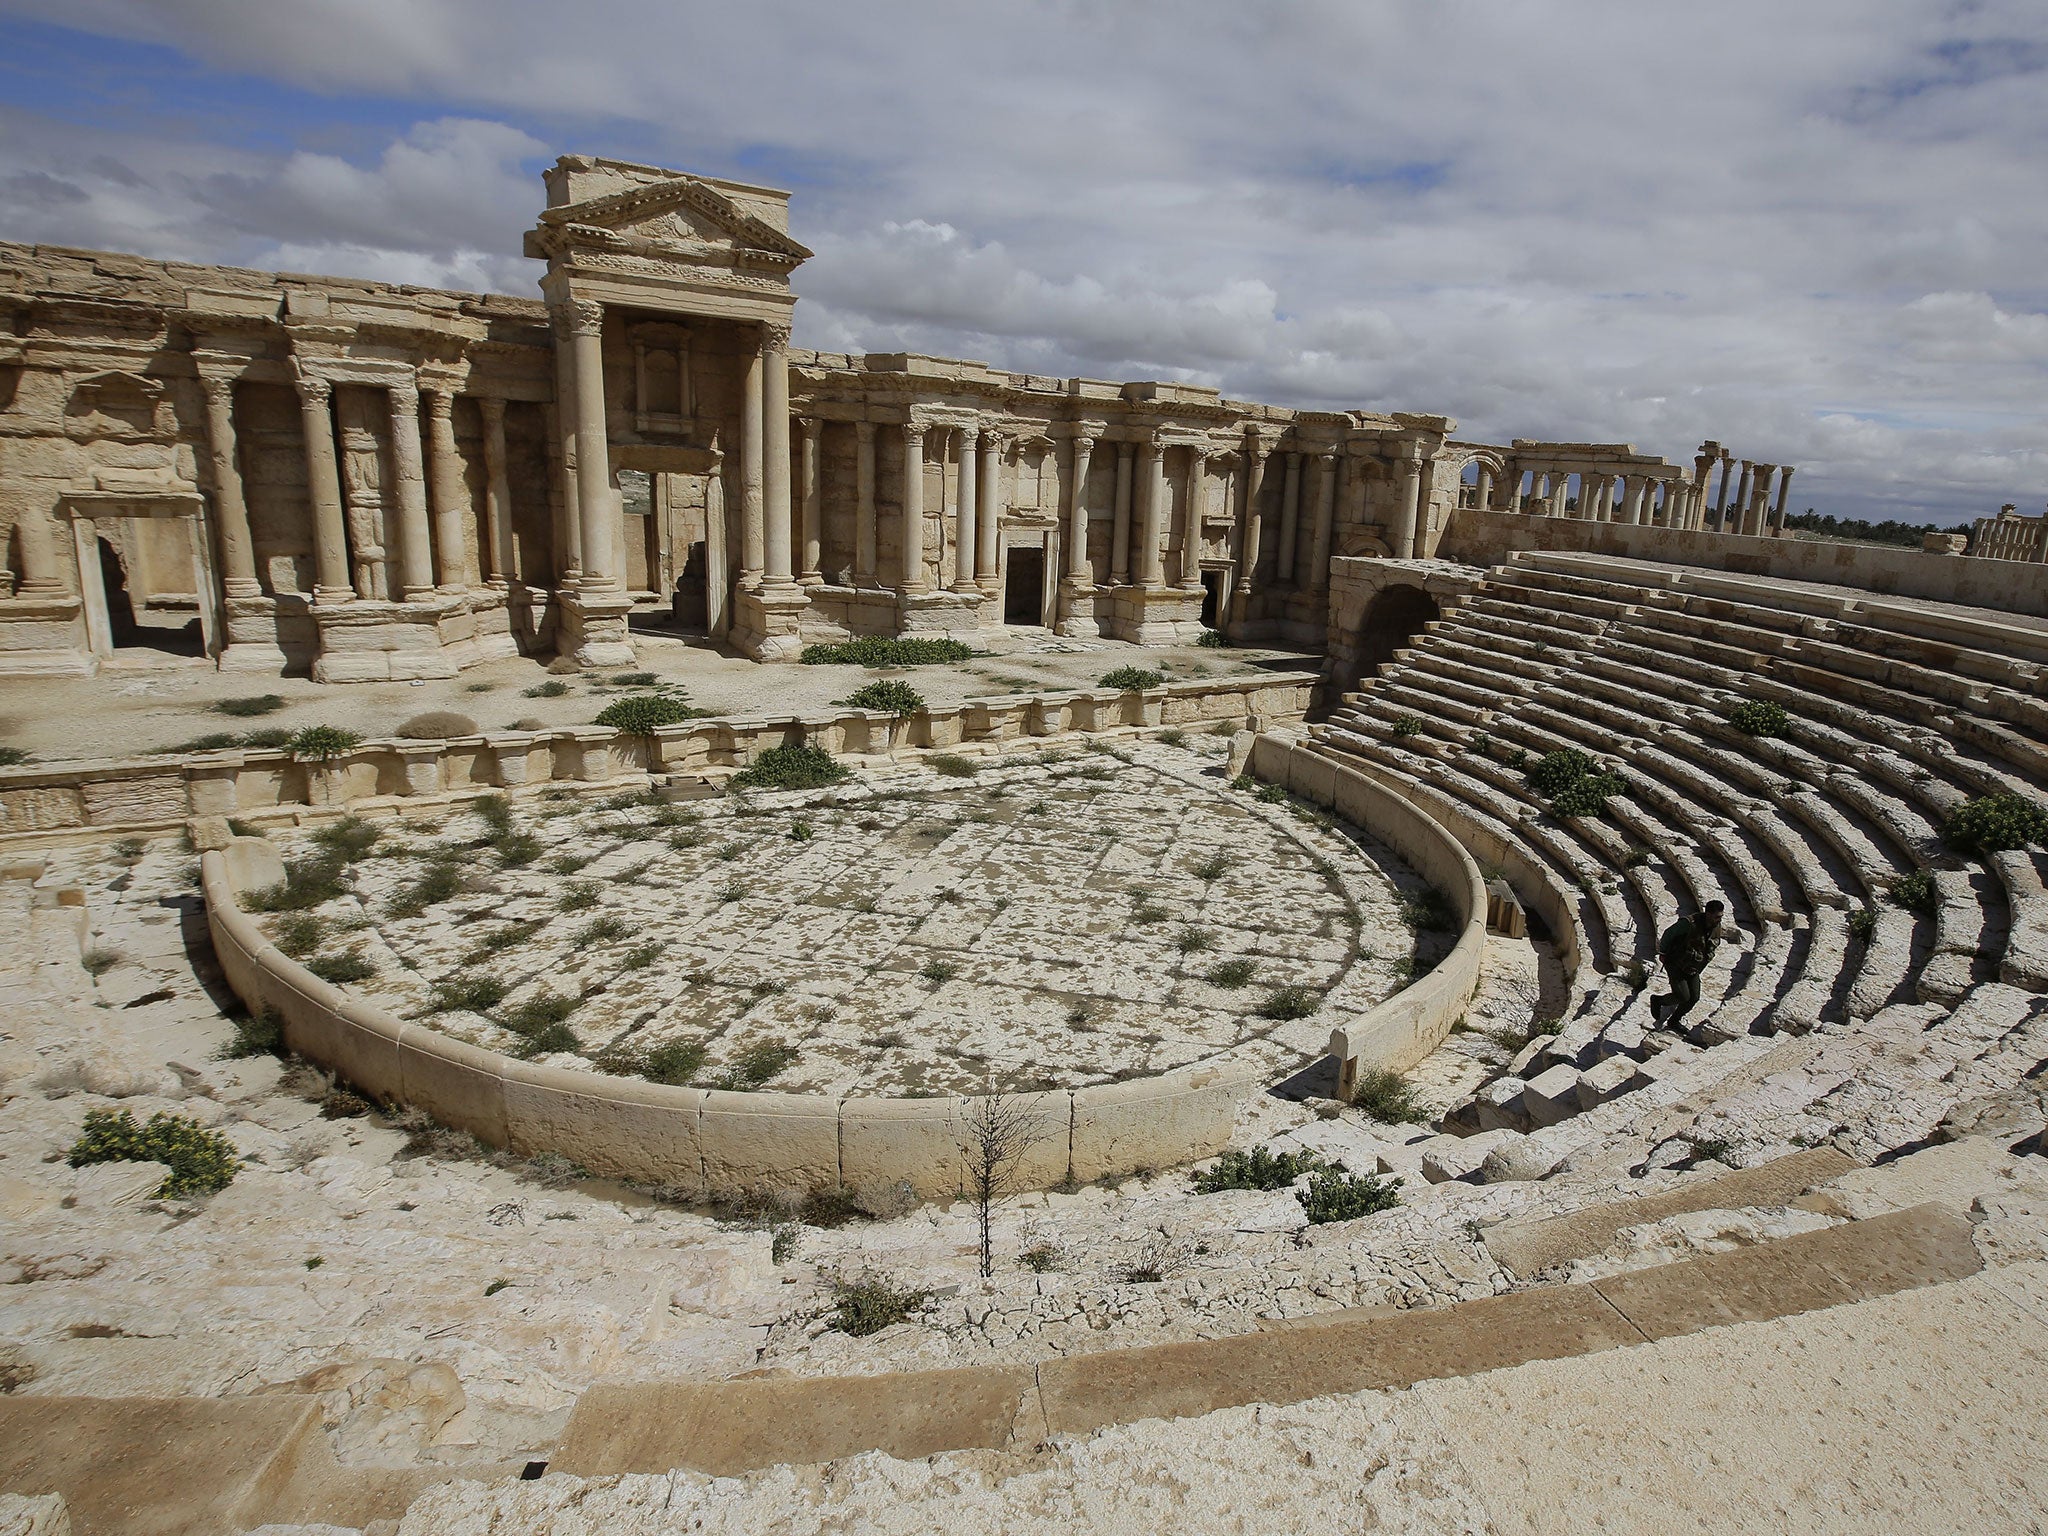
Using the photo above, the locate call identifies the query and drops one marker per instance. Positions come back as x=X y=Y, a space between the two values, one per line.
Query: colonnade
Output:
x=1668 y=499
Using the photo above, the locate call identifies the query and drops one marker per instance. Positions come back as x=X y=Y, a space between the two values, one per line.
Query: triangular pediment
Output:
x=682 y=213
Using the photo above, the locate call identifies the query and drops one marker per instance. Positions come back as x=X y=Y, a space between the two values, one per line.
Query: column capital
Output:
x=440 y=401
x=864 y=431
x=774 y=337
x=577 y=317
x=404 y=392
x=219 y=387
x=810 y=426
x=312 y=387
x=914 y=430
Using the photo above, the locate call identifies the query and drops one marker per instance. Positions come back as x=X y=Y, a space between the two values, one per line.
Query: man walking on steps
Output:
x=1685 y=949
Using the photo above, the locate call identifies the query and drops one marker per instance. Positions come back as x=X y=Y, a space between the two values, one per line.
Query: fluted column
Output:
x=1120 y=523
x=968 y=528
x=1408 y=506
x=753 y=529
x=597 y=506
x=1290 y=514
x=864 y=503
x=497 y=550
x=451 y=493
x=1077 y=509
x=987 y=512
x=913 y=508
x=409 y=489
x=230 y=508
x=323 y=489
x=812 y=450
x=1152 y=515
x=1326 y=518
x=1191 y=534
x=1254 y=521
x=567 y=564
x=775 y=510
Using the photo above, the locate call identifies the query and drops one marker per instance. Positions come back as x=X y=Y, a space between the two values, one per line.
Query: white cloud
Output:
x=1572 y=220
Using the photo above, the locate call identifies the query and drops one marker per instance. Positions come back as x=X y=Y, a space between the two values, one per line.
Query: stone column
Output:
x=230 y=510
x=596 y=502
x=561 y=428
x=913 y=508
x=1408 y=508
x=409 y=489
x=775 y=453
x=967 y=534
x=1191 y=534
x=1784 y=485
x=1482 y=489
x=1326 y=521
x=497 y=551
x=1290 y=513
x=1120 y=526
x=39 y=576
x=1077 y=511
x=1254 y=524
x=753 y=532
x=1721 y=500
x=812 y=449
x=990 y=461
x=451 y=493
x=1560 y=483
x=323 y=489
x=864 y=503
x=1152 y=515
x=1742 y=497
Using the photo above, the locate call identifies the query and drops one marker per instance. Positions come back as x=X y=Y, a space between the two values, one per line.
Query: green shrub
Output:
x=12 y=757
x=1587 y=796
x=1407 y=725
x=633 y=680
x=1131 y=679
x=800 y=766
x=1215 y=866
x=494 y=811
x=1193 y=940
x=545 y=1041
x=543 y=1010
x=516 y=850
x=891 y=697
x=339 y=970
x=1175 y=737
x=1291 y=1002
x=1271 y=794
x=254 y=704
x=602 y=931
x=870 y=1303
x=940 y=971
x=1429 y=909
x=952 y=765
x=646 y=713
x=1384 y=1096
x=878 y=651
x=1334 y=1195
x=99 y=960
x=201 y=1161
x=553 y=688
x=1231 y=974
x=473 y=994
x=256 y=1034
x=1760 y=717
x=1994 y=824
x=322 y=743
x=640 y=957
x=1917 y=893
x=1862 y=924
x=306 y=883
x=674 y=1062
x=1555 y=770
x=755 y=1065
x=1256 y=1169
x=1212 y=640
x=579 y=897
x=440 y=880
x=349 y=839
x=275 y=738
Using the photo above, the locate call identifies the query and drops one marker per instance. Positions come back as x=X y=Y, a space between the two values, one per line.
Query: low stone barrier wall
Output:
x=1406 y=1027
x=159 y=793
x=709 y=1140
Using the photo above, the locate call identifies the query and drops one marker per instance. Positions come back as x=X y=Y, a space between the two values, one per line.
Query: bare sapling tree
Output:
x=997 y=1132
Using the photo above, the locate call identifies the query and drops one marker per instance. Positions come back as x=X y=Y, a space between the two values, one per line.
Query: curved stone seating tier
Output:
x=1791 y=835
x=39 y=803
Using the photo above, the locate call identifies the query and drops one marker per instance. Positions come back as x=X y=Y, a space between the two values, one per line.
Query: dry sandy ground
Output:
x=127 y=712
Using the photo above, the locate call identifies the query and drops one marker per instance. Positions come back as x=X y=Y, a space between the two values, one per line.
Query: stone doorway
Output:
x=132 y=623
x=144 y=576
x=1395 y=617
x=1212 y=598
x=1024 y=587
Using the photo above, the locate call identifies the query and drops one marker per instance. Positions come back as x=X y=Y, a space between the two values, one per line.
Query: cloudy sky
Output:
x=1813 y=230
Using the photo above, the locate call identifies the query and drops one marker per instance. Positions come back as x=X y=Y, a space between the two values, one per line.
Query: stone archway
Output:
x=1392 y=619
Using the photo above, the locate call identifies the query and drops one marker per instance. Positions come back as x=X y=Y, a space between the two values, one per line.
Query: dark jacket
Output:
x=1689 y=944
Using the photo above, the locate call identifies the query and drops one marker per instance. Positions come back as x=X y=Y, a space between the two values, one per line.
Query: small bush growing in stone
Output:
x=339 y=970
x=1429 y=909
x=1917 y=893
x=251 y=704
x=1995 y=824
x=1407 y=725
x=437 y=883
x=891 y=697
x=1271 y=794
x=99 y=960
x=306 y=883
x=758 y=1063
x=501 y=939
x=544 y=1008
x=1256 y=1169
x=553 y=688
x=877 y=651
x=633 y=680
x=1760 y=717
x=200 y=1161
x=801 y=832
x=674 y=1062
x=12 y=757
x=1212 y=640
x=646 y=713
x=731 y=892
x=256 y=1034
x=868 y=1303
x=1335 y=1195
x=640 y=957
x=1862 y=924
x=322 y=743
x=1131 y=679
x=1291 y=1002
x=580 y=897
x=1193 y=940
x=1384 y=1096
x=475 y=994
x=940 y=971
x=567 y=863
x=798 y=766
x=516 y=850
x=546 y=1041
x=436 y=725
x=1587 y=795
x=349 y=839
x=1231 y=974
x=1554 y=770
x=952 y=765
x=1173 y=738
x=602 y=931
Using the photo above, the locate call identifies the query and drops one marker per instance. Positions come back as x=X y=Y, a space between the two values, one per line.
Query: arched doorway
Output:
x=1394 y=618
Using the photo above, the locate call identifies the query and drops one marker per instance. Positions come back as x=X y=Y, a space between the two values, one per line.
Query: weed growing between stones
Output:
x=952 y=765
x=99 y=960
x=1407 y=725
x=891 y=696
x=580 y=897
x=602 y=931
x=306 y=883
x=440 y=880
x=1231 y=974
x=567 y=863
x=1131 y=679
x=1429 y=910
x=640 y=957
x=248 y=705
x=322 y=743
x=553 y=688
x=1215 y=866
x=1995 y=824
x=644 y=714
x=1576 y=785
x=200 y=1161
x=939 y=971
x=350 y=839
x=1191 y=941
x=756 y=1065
x=798 y=766
x=1760 y=717
x=1173 y=738
x=1862 y=924
x=1916 y=893
x=1256 y=1169
x=1384 y=1096
x=475 y=994
x=1291 y=1002
x=877 y=651
x=508 y=937
x=1336 y=1195
x=869 y=1302
x=14 y=757
x=256 y=1034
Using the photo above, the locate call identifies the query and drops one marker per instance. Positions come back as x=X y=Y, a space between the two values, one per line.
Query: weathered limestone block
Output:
x=513 y=754
x=1552 y=1095
x=1154 y=1122
x=1240 y=754
x=925 y=1142
x=1447 y=1159
x=1530 y=1054
x=421 y=766
x=141 y=797
x=458 y=1084
x=622 y=1127
x=1609 y=1080
x=40 y=807
x=34 y=1514
x=769 y=1141
x=1499 y=1106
